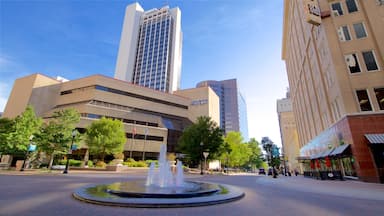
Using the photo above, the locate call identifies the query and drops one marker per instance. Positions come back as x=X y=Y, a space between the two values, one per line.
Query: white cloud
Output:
x=4 y=92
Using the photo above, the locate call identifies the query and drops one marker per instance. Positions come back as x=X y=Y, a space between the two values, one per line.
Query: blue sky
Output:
x=223 y=39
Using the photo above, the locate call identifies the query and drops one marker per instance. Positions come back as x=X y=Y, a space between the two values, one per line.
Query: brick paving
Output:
x=33 y=193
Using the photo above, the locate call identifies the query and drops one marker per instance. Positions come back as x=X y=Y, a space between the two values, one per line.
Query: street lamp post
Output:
x=201 y=158
x=26 y=153
x=205 y=159
x=74 y=132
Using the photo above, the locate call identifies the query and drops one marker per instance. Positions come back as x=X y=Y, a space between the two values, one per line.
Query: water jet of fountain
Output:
x=163 y=177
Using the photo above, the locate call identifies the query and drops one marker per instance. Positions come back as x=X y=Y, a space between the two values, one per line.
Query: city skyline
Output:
x=72 y=39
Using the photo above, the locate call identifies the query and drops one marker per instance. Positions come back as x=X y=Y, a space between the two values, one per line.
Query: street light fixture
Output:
x=74 y=132
x=26 y=153
x=205 y=159
x=201 y=158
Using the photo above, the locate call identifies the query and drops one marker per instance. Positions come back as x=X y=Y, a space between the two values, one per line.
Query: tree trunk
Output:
x=86 y=158
x=51 y=161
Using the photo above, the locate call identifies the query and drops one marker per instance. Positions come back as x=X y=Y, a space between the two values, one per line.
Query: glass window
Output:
x=359 y=30
x=379 y=92
x=351 y=5
x=363 y=100
x=337 y=10
x=370 y=61
x=343 y=33
x=352 y=63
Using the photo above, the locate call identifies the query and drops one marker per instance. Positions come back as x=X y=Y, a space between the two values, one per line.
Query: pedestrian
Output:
x=296 y=172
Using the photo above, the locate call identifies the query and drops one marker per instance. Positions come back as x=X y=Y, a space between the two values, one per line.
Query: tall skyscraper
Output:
x=233 y=107
x=334 y=58
x=151 y=48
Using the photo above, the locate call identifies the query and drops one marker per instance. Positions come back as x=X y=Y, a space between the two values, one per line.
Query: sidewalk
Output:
x=348 y=188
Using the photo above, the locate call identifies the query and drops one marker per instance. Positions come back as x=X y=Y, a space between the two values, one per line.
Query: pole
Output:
x=133 y=140
x=69 y=152
x=201 y=158
x=145 y=141
x=25 y=158
x=26 y=154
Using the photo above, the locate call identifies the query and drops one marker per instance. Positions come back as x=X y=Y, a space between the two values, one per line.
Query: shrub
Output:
x=132 y=163
x=101 y=164
x=119 y=156
x=72 y=162
x=90 y=163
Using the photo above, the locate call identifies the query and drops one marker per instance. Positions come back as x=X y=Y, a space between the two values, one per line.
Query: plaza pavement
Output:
x=33 y=193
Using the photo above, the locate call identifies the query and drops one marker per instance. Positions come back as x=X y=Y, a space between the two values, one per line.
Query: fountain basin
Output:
x=138 y=189
x=132 y=194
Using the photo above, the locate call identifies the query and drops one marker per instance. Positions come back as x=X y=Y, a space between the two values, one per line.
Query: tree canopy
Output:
x=55 y=136
x=105 y=136
x=21 y=130
x=204 y=135
x=272 y=151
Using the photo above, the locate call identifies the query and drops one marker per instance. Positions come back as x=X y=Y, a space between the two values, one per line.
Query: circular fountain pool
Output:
x=136 y=194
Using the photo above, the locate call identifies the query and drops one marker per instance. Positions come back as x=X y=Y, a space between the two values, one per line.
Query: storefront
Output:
x=351 y=149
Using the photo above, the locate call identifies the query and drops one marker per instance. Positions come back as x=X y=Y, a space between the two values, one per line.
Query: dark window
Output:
x=370 y=61
x=94 y=116
x=359 y=30
x=337 y=7
x=347 y=36
x=363 y=100
x=379 y=92
x=352 y=63
x=351 y=5
x=66 y=92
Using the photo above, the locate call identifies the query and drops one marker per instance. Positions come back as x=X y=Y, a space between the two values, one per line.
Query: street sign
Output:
x=31 y=148
x=205 y=154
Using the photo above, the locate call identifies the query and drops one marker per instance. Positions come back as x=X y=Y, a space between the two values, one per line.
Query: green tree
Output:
x=240 y=154
x=55 y=136
x=25 y=126
x=6 y=128
x=256 y=158
x=206 y=132
x=271 y=149
x=105 y=136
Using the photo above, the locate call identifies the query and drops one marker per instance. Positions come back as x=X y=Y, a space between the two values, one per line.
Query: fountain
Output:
x=162 y=188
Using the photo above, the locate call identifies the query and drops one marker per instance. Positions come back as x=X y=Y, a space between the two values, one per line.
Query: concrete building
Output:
x=233 y=107
x=288 y=132
x=333 y=51
x=204 y=102
x=150 y=117
x=151 y=48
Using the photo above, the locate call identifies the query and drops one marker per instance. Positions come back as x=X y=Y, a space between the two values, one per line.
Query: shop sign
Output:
x=312 y=12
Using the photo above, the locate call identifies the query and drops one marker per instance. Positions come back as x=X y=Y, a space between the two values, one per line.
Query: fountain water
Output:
x=163 y=177
x=162 y=188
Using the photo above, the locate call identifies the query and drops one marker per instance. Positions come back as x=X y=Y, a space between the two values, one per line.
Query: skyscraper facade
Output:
x=151 y=48
x=288 y=132
x=334 y=51
x=233 y=107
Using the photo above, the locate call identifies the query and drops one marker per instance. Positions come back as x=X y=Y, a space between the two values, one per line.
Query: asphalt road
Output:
x=51 y=194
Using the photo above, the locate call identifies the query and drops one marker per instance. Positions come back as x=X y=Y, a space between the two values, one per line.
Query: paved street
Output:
x=34 y=193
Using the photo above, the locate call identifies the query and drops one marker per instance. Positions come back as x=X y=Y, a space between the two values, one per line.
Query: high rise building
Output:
x=151 y=48
x=334 y=51
x=288 y=132
x=233 y=107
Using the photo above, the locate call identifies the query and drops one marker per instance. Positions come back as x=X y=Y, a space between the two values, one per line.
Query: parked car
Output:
x=261 y=171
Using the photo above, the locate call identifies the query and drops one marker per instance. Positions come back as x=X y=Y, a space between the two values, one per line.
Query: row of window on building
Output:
x=338 y=8
x=364 y=101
